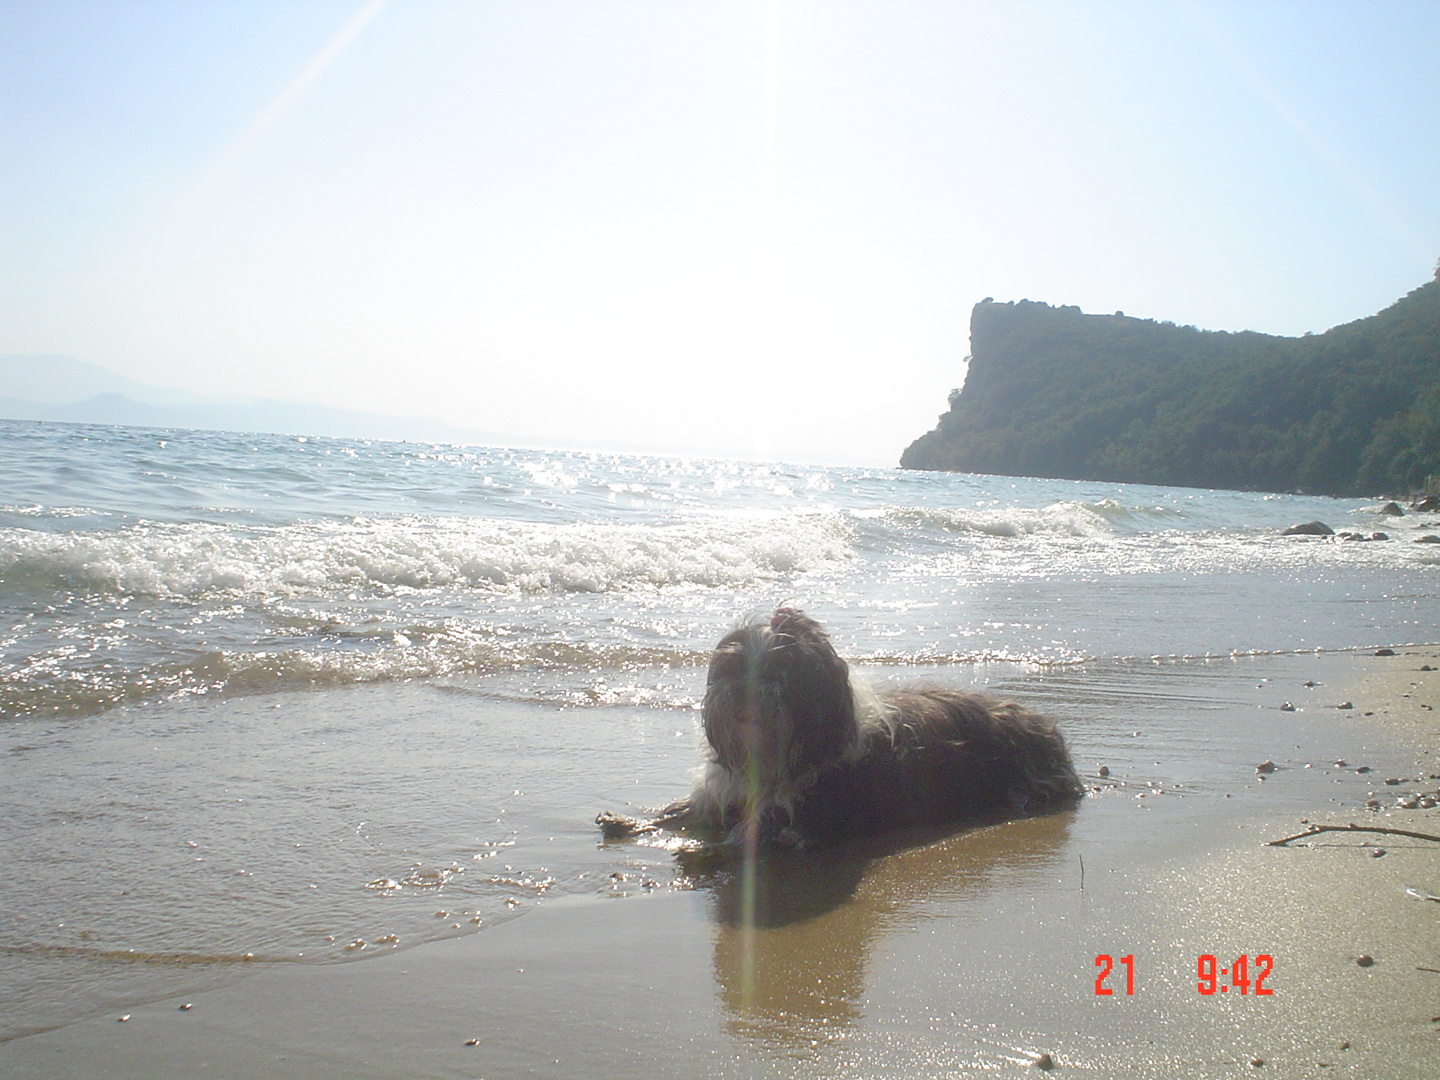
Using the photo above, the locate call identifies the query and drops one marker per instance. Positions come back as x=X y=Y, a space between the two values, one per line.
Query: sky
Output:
x=748 y=228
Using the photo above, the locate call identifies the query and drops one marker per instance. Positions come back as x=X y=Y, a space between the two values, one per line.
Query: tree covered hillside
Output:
x=1057 y=393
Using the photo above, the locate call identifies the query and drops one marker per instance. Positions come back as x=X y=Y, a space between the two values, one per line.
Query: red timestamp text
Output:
x=1106 y=964
x=1245 y=974
x=1212 y=977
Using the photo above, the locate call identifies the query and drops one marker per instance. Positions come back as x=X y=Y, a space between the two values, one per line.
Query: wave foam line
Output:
x=1066 y=519
x=41 y=688
x=417 y=554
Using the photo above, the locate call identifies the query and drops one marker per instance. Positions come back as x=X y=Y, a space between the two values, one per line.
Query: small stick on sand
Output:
x=1315 y=830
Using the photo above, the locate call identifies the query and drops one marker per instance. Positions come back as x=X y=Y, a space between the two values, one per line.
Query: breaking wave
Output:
x=384 y=557
x=1067 y=519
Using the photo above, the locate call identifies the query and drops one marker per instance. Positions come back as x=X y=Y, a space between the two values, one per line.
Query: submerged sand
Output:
x=974 y=953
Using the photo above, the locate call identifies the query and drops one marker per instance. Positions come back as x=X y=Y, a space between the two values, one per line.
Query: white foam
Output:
x=1057 y=519
x=392 y=556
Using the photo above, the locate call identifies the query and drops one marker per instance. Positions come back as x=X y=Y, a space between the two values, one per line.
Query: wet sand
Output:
x=974 y=953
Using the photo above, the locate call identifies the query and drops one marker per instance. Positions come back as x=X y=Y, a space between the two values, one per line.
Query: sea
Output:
x=274 y=699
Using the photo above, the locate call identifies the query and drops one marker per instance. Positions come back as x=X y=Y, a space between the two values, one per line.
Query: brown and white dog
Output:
x=802 y=752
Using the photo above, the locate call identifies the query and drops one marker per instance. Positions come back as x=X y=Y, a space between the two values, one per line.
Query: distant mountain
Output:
x=60 y=380
x=60 y=389
x=1054 y=392
x=64 y=390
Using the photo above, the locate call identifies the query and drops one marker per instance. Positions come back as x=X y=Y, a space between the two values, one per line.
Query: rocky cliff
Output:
x=1055 y=392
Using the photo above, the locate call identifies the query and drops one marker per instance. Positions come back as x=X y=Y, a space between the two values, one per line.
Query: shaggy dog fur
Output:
x=802 y=752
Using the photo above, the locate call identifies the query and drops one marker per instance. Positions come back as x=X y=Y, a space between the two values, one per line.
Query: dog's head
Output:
x=778 y=702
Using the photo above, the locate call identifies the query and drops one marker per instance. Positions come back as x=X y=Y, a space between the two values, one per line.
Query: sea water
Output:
x=274 y=699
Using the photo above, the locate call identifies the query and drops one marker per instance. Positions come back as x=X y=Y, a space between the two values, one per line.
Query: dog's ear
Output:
x=731 y=687
x=814 y=685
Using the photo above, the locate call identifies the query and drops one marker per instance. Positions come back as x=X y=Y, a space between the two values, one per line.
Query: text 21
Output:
x=1106 y=964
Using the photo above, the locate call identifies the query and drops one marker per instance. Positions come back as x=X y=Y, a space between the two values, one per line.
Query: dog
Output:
x=802 y=752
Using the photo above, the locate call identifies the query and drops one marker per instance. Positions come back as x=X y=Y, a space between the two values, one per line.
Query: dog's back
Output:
x=943 y=758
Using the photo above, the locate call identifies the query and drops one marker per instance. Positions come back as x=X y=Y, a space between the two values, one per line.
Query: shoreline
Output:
x=968 y=955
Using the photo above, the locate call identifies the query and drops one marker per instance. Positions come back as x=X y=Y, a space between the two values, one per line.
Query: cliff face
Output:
x=1057 y=393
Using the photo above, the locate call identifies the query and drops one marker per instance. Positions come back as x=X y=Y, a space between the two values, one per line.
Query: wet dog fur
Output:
x=801 y=752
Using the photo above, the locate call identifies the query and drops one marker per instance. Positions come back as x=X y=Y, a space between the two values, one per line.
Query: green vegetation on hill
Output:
x=1057 y=393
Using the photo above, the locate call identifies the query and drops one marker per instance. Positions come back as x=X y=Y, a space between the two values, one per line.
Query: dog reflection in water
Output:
x=803 y=753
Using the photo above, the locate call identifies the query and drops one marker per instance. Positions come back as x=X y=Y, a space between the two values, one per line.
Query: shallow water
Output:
x=184 y=843
x=137 y=565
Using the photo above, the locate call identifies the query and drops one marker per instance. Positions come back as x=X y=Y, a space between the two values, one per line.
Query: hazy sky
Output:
x=754 y=227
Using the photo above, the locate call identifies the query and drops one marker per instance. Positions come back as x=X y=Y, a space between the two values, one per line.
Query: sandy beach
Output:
x=975 y=953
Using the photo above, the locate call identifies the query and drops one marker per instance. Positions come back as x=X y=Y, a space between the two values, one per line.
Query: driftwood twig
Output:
x=1315 y=830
